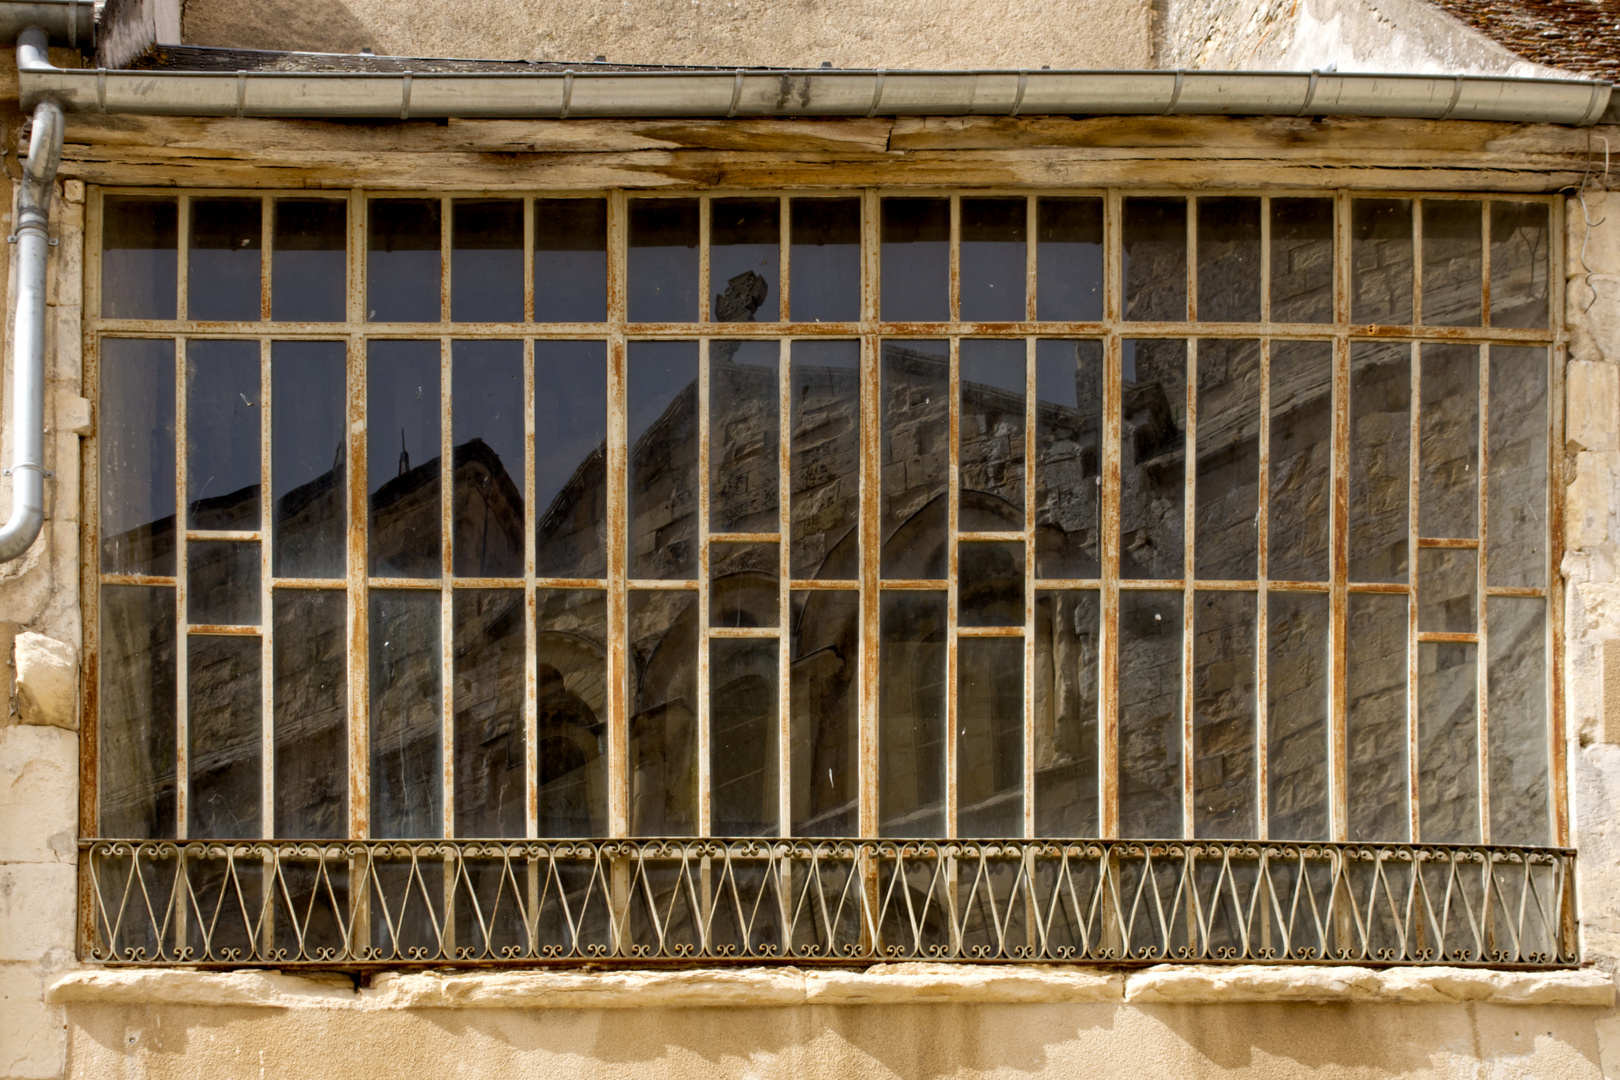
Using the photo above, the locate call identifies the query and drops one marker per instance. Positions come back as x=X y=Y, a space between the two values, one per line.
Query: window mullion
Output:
x=617 y=528
x=1108 y=628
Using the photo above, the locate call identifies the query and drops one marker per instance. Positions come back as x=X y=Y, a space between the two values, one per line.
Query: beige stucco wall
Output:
x=792 y=33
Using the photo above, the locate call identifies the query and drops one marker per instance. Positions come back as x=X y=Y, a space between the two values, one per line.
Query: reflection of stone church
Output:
x=488 y=673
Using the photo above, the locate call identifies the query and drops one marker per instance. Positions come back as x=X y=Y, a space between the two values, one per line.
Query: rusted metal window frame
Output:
x=870 y=331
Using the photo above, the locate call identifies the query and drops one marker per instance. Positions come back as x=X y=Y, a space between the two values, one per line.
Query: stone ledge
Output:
x=883 y=984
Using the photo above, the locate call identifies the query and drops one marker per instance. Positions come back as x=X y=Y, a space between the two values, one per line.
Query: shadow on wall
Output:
x=291 y=25
x=917 y=1042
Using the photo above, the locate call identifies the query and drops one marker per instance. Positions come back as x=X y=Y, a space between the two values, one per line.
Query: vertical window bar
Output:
x=871 y=507
x=1262 y=725
x=1192 y=316
x=953 y=510
x=1031 y=260
x=267 y=632
x=1189 y=596
x=784 y=573
x=1417 y=285
x=531 y=630
x=1555 y=536
x=617 y=532
x=1482 y=651
x=1485 y=267
x=182 y=277
x=267 y=232
x=447 y=532
x=528 y=288
x=182 y=741
x=1108 y=627
x=956 y=315
x=705 y=729
x=784 y=241
x=1414 y=760
x=1030 y=393
x=446 y=220
x=1338 y=532
x=704 y=315
x=359 y=517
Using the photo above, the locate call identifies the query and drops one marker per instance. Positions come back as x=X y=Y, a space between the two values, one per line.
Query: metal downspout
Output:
x=27 y=469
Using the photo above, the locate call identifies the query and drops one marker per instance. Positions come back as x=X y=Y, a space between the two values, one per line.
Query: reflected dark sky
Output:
x=225 y=259
x=916 y=260
x=139 y=257
x=663 y=260
x=222 y=434
x=308 y=266
x=402 y=261
x=825 y=260
x=570 y=260
x=487 y=397
x=486 y=260
x=1068 y=259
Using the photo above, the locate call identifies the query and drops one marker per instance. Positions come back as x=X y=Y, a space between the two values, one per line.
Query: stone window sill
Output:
x=883 y=984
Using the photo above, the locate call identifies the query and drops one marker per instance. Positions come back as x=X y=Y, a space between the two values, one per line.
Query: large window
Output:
x=845 y=514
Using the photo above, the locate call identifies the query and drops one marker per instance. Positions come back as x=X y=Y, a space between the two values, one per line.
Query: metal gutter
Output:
x=27 y=470
x=817 y=92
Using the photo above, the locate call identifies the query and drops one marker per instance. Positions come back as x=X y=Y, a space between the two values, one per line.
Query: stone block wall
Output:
x=41 y=633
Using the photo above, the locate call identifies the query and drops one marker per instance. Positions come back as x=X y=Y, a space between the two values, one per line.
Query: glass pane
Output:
x=225 y=259
x=825 y=650
x=743 y=585
x=224 y=726
x=135 y=730
x=139 y=257
x=911 y=714
x=222 y=583
x=1446 y=591
x=1375 y=731
x=916 y=458
x=745 y=244
x=1448 y=743
x=1381 y=261
x=662 y=423
x=307 y=458
x=570 y=458
x=1229 y=260
x=1520 y=261
x=311 y=714
x=825 y=260
x=1297 y=715
x=1448 y=442
x=663 y=714
x=663 y=260
x=571 y=667
x=222 y=434
x=1069 y=259
x=491 y=789
x=990 y=588
x=990 y=737
x=1301 y=460
x=916 y=260
x=743 y=756
x=402 y=394
x=1223 y=693
x=309 y=266
x=570 y=260
x=402 y=261
x=990 y=433
x=407 y=788
x=1380 y=465
x=1155 y=253
x=1453 y=252
x=745 y=436
x=1153 y=457
x=1302 y=260
x=1150 y=781
x=995 y=260
x=1517 y=696
x=1066 y=691
x=1068 y=458
x=486 y=428
x=486 y=260
x=1226 y=503
x=137 y=456
x=825 y=504
x=1517 y=543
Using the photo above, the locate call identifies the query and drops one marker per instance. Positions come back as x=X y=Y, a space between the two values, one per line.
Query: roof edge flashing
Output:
x=802 y=93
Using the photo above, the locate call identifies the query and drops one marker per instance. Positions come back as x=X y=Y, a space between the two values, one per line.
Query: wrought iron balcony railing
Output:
x=640 y=902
